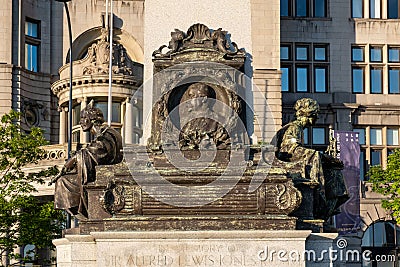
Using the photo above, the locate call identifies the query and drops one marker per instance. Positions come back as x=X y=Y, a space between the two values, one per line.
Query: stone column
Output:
x=128 y=123
x=63 y=125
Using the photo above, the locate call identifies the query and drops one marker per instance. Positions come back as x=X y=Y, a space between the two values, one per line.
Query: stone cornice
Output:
x=63 y=85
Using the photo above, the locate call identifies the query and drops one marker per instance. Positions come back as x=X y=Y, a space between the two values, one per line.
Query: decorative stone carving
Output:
x=199 y=36
x=288 y=198
x=201 y=129
x=202 y=118
x=31 y=111
x=98 y=58
x=113 y=199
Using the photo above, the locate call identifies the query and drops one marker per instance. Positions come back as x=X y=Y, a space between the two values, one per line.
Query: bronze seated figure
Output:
x=79 y=170
x=320 y=171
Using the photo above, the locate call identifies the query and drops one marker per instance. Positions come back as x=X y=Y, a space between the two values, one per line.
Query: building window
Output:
x=310 y=67
x=375 y=54
x=285 y=8
x=376 y=136
x=378 y=9
x=301 y=79
x=319 y=8
x=376 y=80
x=361 y=135
x=392 y=137
x=393 y=9
x=375 y=9
x=31 y=57
x=116 y=110
x=357 y=54
x=376 y=144
x=394 y=75
x=363 y=169
x=376 y=157
x=320 y=53
x=357 y=8
x=304 y=8
x=32 y=45
x=286 y=52
x=358 y=80
x=393 y=54
x=302 y=53
x=305 y=136
x=380 y=68
x=76 y=115
x=316 y=137
x=286 y=74
x=321 y=82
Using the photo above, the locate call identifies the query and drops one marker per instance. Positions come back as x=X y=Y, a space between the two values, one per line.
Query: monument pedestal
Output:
x=187 y=248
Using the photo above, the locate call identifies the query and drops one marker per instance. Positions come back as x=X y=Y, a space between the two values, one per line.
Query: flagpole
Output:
x=106 y=17
x=111 y=61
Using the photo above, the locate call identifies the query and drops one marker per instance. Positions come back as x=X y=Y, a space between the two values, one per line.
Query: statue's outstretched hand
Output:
x=56 y=177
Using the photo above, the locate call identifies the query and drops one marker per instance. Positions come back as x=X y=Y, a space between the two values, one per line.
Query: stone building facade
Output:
x=344 y=54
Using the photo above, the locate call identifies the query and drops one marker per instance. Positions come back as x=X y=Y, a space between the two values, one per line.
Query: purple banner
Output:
x=348 y=148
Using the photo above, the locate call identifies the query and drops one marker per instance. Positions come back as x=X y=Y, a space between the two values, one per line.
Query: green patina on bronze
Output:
x=299 y=187
x=320 y=170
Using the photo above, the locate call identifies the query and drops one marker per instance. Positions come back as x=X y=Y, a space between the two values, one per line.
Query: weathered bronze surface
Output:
x=298 y=188
x=268 y=207
x=318 y=170
x=78 y=171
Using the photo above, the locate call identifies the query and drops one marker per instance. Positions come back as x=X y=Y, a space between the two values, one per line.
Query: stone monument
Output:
x=184 y=199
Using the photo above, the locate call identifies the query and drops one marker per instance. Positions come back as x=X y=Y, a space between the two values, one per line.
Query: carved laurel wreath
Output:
x=113 y=199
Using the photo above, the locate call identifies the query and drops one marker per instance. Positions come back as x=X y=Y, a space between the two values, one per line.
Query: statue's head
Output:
x=307 y=109
x=198 y=94
x=90 y=116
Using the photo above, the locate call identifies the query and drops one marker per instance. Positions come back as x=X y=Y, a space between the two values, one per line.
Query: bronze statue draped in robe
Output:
x=79 y=170
x=319 y=169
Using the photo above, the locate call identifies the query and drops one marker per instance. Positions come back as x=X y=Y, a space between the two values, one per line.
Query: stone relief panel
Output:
x=97 y=59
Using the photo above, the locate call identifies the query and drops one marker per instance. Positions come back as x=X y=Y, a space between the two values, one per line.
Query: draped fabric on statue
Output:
x=105 y=149
x=291 y=148
x=316 y=168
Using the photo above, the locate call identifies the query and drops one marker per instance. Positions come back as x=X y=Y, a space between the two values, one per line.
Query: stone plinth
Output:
x=182 y=248
x=76 y=250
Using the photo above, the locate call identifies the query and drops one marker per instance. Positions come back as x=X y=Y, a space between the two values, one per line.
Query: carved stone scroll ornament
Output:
x=113 y=199
x=288 y=198
x=199 y=36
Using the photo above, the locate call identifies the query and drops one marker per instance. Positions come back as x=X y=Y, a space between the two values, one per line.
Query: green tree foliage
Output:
x=387 y=182
x=23 y=220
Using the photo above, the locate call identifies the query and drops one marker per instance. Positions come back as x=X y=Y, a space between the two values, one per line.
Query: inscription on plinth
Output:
x=229 y=248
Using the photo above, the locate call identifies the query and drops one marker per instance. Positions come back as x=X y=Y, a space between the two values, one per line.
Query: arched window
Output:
x=382 y=238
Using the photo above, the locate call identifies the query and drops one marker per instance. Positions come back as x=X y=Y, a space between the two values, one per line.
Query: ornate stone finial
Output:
x=199 y=36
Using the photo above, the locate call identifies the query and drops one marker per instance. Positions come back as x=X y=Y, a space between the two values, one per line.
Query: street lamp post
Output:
x=68 y=222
